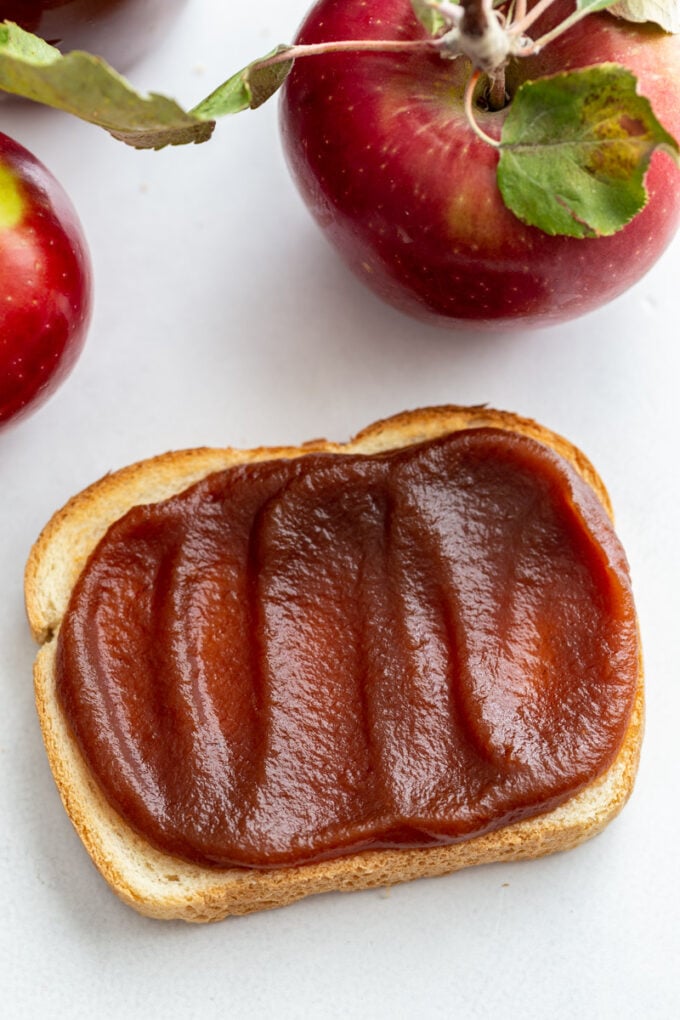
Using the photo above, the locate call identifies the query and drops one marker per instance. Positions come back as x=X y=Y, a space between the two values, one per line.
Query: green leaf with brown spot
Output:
x=87 y=87
x=575 y=149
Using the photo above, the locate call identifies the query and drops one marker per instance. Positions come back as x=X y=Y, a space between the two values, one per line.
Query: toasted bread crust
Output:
x=162 y=886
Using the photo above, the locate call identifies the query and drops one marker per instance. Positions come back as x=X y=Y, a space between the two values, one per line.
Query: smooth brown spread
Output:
x=298 y=659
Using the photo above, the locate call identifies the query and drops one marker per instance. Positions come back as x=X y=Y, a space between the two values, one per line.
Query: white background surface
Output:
x=222 y=318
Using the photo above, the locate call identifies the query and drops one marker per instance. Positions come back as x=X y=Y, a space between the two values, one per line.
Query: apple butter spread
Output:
x=298 y=659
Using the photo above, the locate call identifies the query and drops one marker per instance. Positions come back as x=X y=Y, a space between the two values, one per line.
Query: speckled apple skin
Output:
x=45 y=283
x=383 y=157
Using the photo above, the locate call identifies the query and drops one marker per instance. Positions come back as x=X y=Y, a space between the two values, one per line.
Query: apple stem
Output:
x=478 y=32
x=522 y=21
x=497 y=96
x=451 y=11
x=468 y=103
x=520 y=11
x=558 y=30
x=475 y=20
x=480 y=36
x=349 y=45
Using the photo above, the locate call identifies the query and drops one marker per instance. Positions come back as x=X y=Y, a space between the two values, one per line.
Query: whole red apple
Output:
x=121 y=31
x=45 y=283
x=385 y=159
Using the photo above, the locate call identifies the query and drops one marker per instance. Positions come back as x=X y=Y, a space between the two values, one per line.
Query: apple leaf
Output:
x=87 y=87
x=575 y=149
x=591 y=6
x=432 y=20
x=248 y=89
x=665 y=13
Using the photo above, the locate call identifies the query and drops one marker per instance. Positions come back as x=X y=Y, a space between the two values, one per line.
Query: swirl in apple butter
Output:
x=298 y=659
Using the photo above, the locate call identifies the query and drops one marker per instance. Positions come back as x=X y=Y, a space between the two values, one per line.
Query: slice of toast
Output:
x=162 y=886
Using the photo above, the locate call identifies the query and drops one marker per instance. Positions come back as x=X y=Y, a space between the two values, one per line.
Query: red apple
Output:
x=45 y=283
x=383 y=155
x=121 y=31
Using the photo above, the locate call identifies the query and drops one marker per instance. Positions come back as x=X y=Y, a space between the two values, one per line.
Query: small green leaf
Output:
x=575 y=149
x=87 y=87
x=665 y=13
x=591 y=6
x=432 y=20
x=248 y=89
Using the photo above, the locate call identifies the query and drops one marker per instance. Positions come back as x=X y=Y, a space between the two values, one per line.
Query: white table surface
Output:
x=222 y=318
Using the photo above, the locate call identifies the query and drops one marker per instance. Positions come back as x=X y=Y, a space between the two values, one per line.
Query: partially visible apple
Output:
x=384 y=157
x=45 y=283
x=121 y=31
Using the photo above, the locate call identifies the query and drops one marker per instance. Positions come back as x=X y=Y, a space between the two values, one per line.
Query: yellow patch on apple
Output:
x=11 y=200
x=474 y=220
